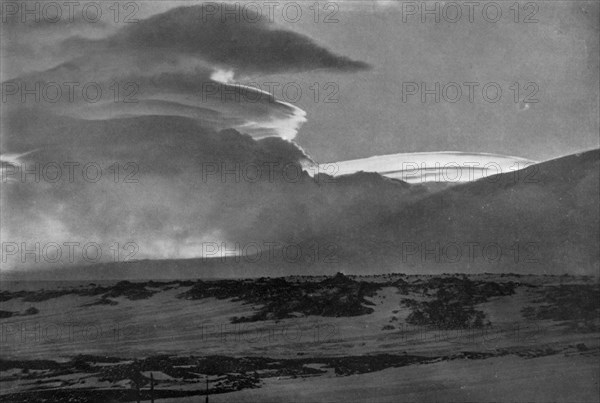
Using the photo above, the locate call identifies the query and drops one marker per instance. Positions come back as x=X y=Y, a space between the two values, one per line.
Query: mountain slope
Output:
x=542 y=220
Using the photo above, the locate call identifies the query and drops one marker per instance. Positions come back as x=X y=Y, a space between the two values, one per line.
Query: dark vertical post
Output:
x=206 y=401
x=151 y=387
x=137 y=375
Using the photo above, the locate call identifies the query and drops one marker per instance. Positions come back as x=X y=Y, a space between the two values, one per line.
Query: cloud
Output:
x=244 y=45
x=165 y=114
x=129 y=91
x=194 y=185
x=168 y=64
x=446 y=166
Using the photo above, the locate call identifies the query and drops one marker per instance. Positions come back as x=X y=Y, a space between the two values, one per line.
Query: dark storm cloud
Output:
x=193 y=187
x=184 y=130
x=243 y=45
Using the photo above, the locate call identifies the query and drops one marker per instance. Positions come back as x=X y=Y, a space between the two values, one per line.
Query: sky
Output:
x=556 y=50
x=186 y=104
x=559 y=53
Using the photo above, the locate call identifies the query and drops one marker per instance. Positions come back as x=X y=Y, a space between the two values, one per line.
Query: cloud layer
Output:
x=133 y=134
x=249 y=45
x=444 y=166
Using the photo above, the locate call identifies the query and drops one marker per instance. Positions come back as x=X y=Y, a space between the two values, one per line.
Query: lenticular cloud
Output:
x=109 y=137
x=445 y=166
